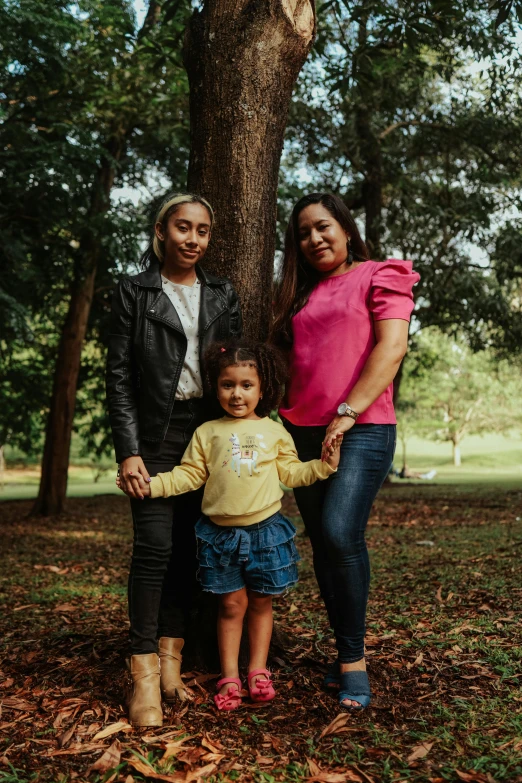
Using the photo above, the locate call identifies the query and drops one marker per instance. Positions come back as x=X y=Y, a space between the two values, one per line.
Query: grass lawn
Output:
x=492 y=461
x=443 y=649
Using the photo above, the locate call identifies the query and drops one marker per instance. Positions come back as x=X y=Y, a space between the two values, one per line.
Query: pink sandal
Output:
x=230 y=700
x=262 y=690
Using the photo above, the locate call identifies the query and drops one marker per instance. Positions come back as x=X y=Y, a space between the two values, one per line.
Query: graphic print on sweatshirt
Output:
x=246 y=453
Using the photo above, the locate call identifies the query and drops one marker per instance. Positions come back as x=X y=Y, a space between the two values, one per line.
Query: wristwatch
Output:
x=345 y=410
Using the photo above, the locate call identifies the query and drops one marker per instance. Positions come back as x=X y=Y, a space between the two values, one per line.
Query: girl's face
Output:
x=322 y=240
x=186 y=236
x=239 y=391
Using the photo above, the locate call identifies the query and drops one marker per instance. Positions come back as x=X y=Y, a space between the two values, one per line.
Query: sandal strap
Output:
x=355 y=686
x=256 y=672
x=226 y=680
x=356 y=682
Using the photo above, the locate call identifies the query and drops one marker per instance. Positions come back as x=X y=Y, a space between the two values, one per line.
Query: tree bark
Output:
x=403 y=442
x=55 y=460
x=242 y=60
x=456 y=454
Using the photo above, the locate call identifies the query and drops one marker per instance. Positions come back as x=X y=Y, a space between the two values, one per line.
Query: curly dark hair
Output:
x=268 y=361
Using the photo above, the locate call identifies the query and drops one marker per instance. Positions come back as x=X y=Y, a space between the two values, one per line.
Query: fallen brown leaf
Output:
x=335 y=777
x=217 y=757
x=66 y=608
x=213 y=745
x=121 y=725
x=149 y=772
x=14 y=703
x=317 y=775
x=191 y=755
x=202 y=772
x=108 y=760
x=66 y=737
x=471 y=777
x=420 y=751
x=338 y=722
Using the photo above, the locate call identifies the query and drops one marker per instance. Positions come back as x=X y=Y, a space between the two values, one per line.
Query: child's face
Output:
x=239 y=391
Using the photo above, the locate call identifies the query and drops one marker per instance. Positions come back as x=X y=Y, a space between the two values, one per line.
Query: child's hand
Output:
x=144 y=486
x=332 y=452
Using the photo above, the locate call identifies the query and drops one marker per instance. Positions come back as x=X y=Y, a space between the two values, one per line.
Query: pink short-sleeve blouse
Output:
x=334 y=335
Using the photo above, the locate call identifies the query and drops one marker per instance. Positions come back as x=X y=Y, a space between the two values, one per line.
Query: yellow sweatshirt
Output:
x=242 y=462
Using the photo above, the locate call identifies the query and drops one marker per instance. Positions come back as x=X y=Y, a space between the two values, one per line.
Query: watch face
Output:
x=341 y=410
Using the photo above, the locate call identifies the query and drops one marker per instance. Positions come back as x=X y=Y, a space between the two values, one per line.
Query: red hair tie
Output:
x=223 y=350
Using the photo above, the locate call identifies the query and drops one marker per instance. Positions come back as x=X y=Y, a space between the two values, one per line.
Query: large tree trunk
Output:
x=242 y=60
x=55 y=461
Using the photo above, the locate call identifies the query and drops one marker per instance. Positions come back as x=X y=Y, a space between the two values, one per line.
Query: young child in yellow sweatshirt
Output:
x=246 y=547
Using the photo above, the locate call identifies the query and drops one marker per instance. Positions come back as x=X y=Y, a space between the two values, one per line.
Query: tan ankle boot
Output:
x=172 y=686
x=145 y=700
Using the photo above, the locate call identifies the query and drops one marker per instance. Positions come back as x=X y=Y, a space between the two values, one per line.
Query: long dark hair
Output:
x=298 y=279
x=154 y=251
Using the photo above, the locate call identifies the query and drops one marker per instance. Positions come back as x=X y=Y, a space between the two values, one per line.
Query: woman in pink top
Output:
x=344 y=320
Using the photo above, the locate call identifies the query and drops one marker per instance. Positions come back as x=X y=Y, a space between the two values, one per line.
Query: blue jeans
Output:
x=335 y=513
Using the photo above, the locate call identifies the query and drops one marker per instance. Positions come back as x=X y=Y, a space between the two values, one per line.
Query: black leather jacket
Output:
x=147 y=346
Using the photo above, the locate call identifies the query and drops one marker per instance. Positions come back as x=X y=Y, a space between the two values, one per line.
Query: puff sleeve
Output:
x=391 y=290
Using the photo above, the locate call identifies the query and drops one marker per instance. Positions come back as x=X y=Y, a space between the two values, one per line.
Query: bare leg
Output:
x=232 y=608
x=358 y=666
x=260 y=622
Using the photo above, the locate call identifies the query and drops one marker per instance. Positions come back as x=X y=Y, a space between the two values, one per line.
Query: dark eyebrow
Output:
x=306 y=226
x=189 y=222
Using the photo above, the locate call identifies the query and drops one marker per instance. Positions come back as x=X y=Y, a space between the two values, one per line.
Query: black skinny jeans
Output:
x=162 y=578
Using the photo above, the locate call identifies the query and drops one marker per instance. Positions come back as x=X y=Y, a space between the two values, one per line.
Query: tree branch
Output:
x=408 y=123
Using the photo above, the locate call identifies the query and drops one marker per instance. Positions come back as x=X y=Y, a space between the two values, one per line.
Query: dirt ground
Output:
x=443 y=651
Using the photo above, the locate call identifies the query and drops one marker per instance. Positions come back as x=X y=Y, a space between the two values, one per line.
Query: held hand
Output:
x=133 y=478
x=338 y=426
x=334 y=450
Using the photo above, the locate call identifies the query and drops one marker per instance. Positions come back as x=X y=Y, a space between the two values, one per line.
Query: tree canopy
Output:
x=411 y=111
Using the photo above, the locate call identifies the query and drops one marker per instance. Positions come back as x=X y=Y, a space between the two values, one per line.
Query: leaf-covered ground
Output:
x=443 y=649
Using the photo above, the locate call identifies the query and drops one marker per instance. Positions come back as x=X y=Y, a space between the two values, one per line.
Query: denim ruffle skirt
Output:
x=262 y=557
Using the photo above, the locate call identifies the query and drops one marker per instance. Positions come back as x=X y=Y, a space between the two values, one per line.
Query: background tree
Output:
x=90 y=102
x=392 y=111
x=396 y=116
x=450 y=391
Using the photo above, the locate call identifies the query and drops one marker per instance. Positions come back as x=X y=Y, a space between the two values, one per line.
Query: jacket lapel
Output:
x=164 y=311
x=212 y=306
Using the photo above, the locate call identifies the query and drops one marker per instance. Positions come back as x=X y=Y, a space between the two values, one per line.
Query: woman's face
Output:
x=322 y=240
x=186 y=236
